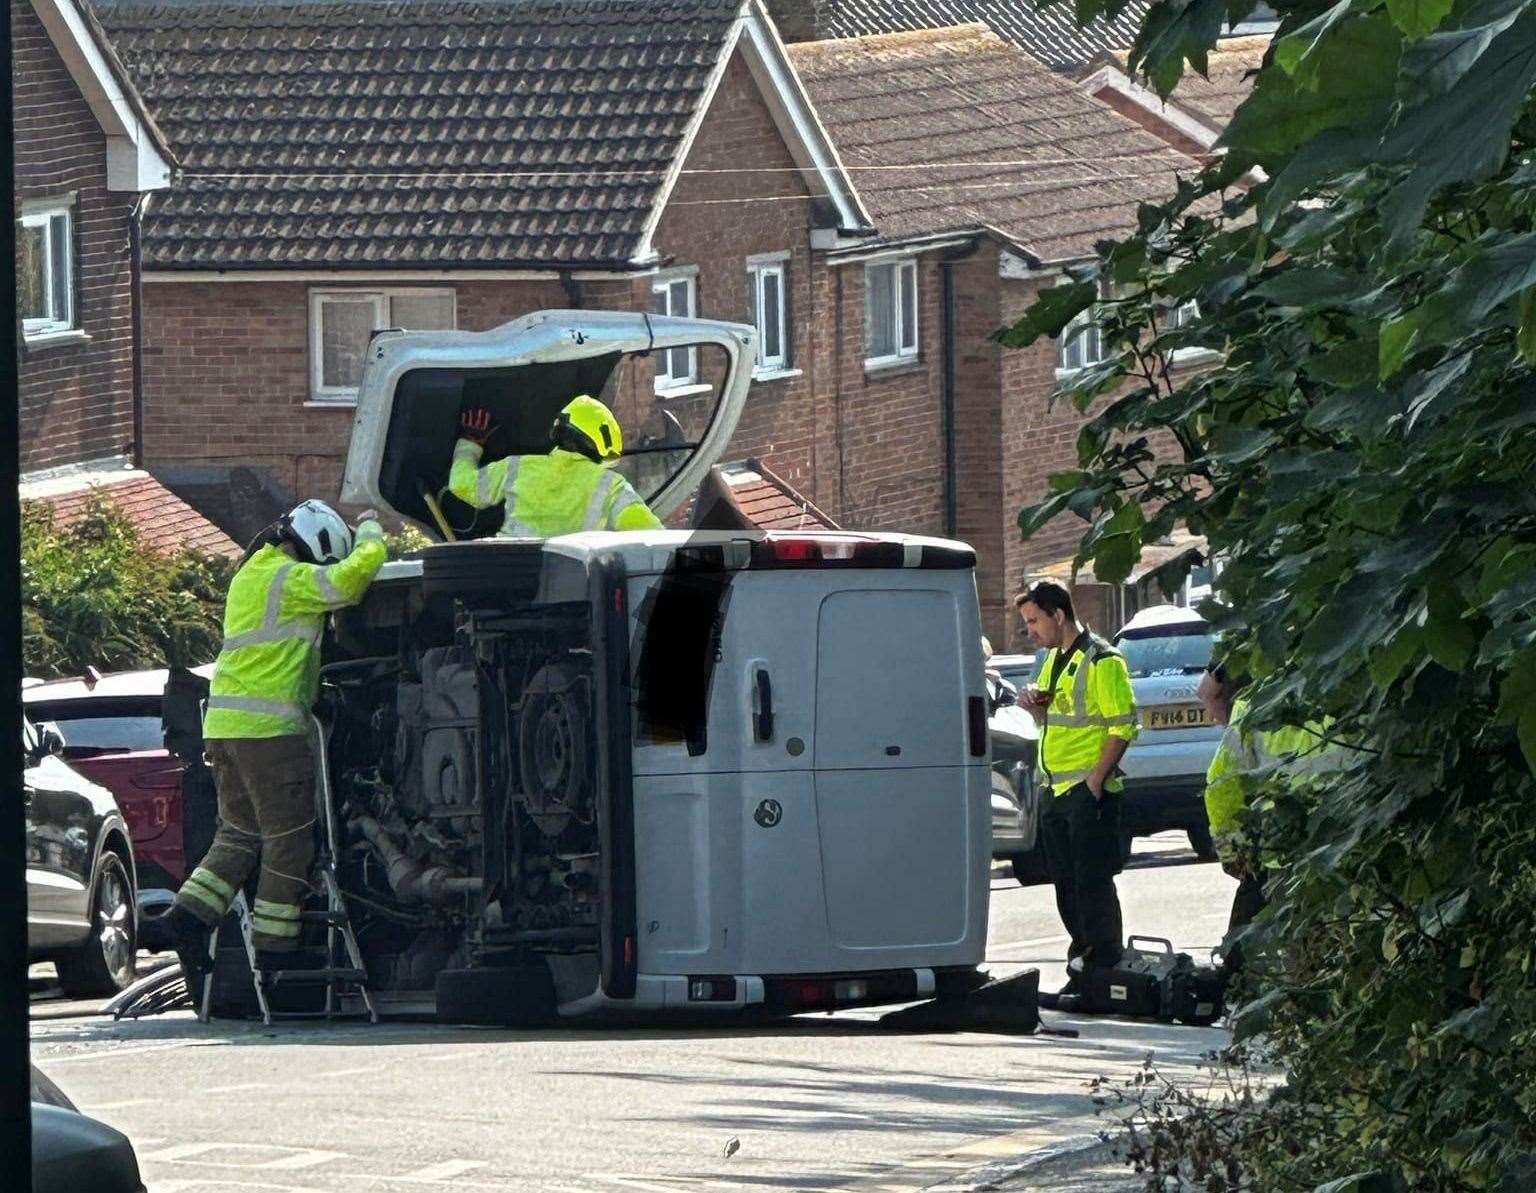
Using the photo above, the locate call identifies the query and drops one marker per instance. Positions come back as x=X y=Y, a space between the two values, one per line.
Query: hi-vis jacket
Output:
x=1297 y=751
x=268 y=672
x=557 y=493
x=1092 y=700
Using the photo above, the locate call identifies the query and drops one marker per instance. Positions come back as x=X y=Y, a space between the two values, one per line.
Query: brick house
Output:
x=1041 y=172
x=89 y=160
x=460 y=165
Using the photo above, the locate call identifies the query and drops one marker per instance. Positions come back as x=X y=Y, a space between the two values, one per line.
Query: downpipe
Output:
x=410 y=879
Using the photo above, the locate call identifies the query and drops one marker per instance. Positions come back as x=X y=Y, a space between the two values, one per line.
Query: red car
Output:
x=113 y=734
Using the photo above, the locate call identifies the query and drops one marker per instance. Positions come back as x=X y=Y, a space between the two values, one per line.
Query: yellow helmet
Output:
x=588 y=427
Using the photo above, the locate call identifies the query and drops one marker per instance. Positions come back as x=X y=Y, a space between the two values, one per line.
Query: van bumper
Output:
x=779 y=994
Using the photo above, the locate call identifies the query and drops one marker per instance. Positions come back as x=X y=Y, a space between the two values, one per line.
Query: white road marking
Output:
x=630 y=1182
x=113 y=1053
x=297 y=1157
x=97 y=1107
x=1024 y=944
x=444 y=1170
x=236 y=1089
x=363 y=1072
x=197 y=1186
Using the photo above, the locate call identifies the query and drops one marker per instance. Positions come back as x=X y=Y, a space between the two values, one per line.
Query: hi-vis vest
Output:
x=1092 y=700
x=1295 y=751
x=558 y=493
x=268 y=672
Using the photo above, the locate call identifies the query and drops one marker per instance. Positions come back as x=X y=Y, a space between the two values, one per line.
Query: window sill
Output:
x=893 y=366
x=337 y=403
x=776 y=374
x=1189 y=357
x=57 y=339
x=684 y=391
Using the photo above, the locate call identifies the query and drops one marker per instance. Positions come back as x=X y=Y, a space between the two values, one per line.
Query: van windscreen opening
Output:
x=680 y=627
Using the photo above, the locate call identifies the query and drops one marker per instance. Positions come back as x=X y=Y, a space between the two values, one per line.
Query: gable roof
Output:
x=165 y=523
x=364 y=134
x=748 y=495
x=138 y=157
x=1050 y=35
x=1201 y=107
x=1038 y=161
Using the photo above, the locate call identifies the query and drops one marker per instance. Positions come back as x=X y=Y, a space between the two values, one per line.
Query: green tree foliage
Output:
x=1362 y=456
x=93 y=596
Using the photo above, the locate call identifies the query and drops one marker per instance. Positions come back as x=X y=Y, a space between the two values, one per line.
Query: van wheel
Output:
x=1200 y=841
x=1029 y=868
x=104 y=964
x=515 y=996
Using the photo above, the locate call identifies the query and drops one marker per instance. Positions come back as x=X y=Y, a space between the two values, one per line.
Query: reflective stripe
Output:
x=271 y=708
x=1088 y=721
x=1069 y=776
x=294 y=629
x=211 y=882
x=199 y=895
x=593 y=519
x=275 y=595
x=274 y=910
x=328 y=592
x=268 y=926
x=516 y=528
x=626 y=498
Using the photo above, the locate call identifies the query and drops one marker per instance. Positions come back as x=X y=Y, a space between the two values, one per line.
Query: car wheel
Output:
x=104 y=964
x=1029 y=868
x=1200 y=841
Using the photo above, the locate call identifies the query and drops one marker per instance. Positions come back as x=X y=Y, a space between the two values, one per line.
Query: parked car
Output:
x=1015 y=669
x=112 y=729
x=1166 y=649
x=1015 y=740
x=72 y=1153
x=81 y=912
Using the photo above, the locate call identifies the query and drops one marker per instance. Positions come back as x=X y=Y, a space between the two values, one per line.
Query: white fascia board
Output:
x=807 y=138
x=397 y=277
x=134 y=163
x=645 y=252
x=1015 y=268
x=901 y=250
x=1113 y=79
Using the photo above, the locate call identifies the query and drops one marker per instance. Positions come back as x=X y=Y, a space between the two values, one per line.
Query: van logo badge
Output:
x=768 y=813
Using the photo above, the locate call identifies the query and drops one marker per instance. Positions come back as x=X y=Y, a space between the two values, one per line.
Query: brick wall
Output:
x=227 y=376
x=76 y=398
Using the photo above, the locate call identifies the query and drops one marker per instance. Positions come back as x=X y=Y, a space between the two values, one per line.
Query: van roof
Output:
x=115 y=684
x=652 y=551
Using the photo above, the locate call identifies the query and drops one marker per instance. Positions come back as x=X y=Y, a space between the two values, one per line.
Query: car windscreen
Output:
x=1166 y=650
x=105 y=725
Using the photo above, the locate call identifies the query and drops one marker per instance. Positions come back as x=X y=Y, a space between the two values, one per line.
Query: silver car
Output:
x=1166 y=649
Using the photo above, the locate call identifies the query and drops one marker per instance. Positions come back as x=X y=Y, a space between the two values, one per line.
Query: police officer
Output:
x=1086 y=710
x=570 y=488
x=257 y=727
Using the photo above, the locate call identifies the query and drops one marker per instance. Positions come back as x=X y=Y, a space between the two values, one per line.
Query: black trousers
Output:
x=1247 y=902
x=1081 y=836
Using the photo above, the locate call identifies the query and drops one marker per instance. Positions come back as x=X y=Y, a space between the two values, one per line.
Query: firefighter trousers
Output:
x=1082 y=854
x=266 y=816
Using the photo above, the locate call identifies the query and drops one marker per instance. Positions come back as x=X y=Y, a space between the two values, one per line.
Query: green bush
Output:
x=92 y=595
x=1361 y=455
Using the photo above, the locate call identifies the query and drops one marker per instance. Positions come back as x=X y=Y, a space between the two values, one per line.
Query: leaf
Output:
x=1436 y=64
x=1175 y=32
x=1525 y=731
x=1296 y=53
x=1418 y=18
x=1447 y=637
x=1311 y=287
x=1374 y=1181
x=1525 y=341
x=1051 y=311
x=1428 y=386
x=1396 y=338
x=1388 y=662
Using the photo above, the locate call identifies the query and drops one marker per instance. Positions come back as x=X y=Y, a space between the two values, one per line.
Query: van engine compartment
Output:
x=463 y=768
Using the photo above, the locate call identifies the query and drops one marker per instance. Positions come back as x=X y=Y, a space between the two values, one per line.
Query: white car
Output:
x=1166 y=649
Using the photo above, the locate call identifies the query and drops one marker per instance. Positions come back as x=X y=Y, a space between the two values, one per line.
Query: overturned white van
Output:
x=701 y=770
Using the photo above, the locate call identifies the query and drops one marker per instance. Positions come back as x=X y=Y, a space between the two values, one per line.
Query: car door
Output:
x=416 y=384
x=61 y=823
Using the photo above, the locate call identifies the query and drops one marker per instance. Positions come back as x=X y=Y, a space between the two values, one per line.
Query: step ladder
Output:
x=343 y=973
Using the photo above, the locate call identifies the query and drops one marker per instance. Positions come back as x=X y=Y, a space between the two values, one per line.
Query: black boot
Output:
x=190 y=937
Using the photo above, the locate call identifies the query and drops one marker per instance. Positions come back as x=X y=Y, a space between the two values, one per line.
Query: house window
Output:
x=769 y=282
x=890 y=312
x=1081 y=343
x=45 y=270
x=341 y=321
x=1180 y=315
x=676 y=367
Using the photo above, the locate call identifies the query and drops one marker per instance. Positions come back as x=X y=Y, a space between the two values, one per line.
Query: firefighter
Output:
x=1087 y=715
x=570 y=488
x=257 y=727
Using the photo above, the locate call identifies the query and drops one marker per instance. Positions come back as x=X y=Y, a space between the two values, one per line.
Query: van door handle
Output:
x=762 y=705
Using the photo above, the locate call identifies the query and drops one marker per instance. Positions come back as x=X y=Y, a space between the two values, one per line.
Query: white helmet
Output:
x=319 y=532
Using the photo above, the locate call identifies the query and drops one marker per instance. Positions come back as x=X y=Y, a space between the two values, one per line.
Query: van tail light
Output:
x=977 y=707
x=809 y=551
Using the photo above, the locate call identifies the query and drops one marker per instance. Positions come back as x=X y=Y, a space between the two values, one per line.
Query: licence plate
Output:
x=1176 y=716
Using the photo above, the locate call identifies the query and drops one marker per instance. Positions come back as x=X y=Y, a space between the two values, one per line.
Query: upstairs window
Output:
x=890 y=312
x=769 y=284
x=676 y=368
x=1081 y=343
x=342 y=321
x=45 y=270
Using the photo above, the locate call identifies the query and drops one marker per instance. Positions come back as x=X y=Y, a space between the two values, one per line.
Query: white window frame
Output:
x=759 y=268
x=1081 y=343
x=668 y=383
x=42 y=215
x=346 y=395
x=908 y=338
